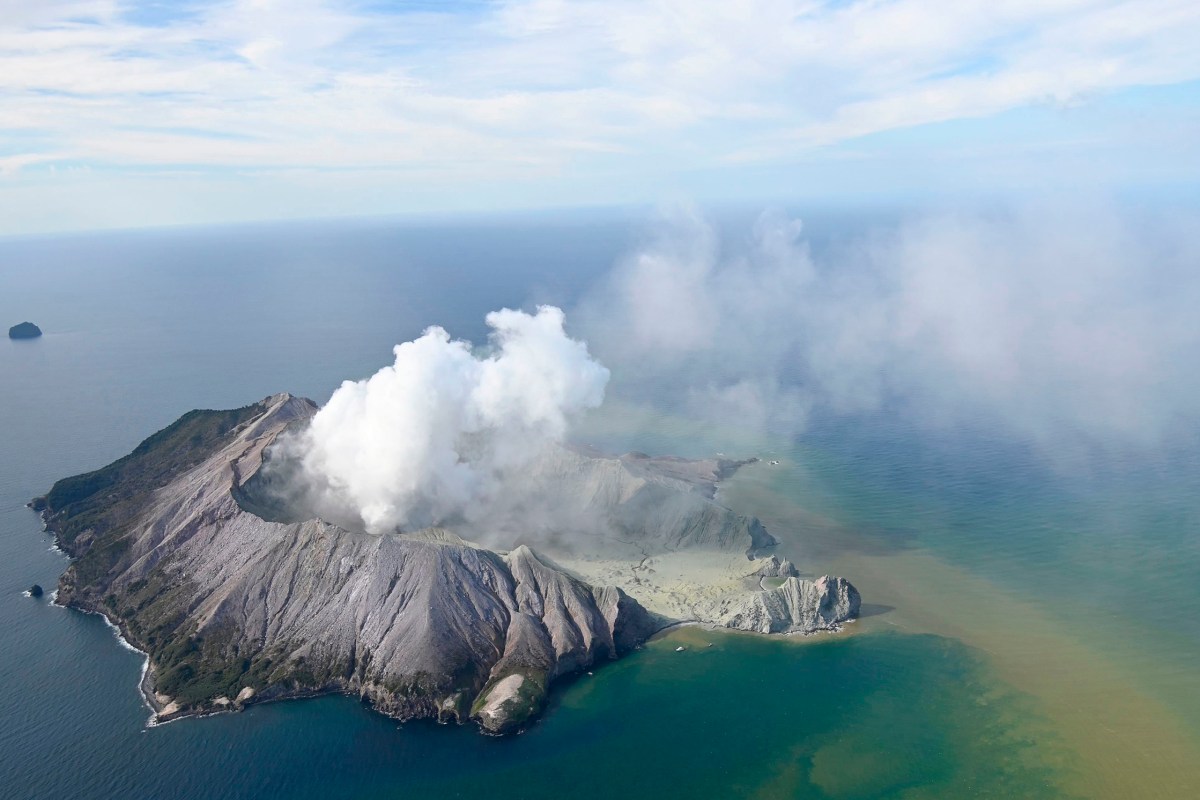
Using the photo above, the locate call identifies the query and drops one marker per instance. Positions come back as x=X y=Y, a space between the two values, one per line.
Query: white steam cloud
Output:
x=1068 y=329
x=429 y=438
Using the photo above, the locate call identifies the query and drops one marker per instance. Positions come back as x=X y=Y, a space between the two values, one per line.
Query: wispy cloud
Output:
x=544 y=87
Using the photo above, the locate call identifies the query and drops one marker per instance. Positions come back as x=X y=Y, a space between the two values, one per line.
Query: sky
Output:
x=130 y=113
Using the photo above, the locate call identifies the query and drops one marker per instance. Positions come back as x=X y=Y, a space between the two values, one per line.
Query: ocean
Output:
x=1028 y=631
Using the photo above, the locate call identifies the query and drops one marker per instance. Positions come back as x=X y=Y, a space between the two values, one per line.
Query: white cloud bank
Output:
x=1062 y=327
x=432 y=436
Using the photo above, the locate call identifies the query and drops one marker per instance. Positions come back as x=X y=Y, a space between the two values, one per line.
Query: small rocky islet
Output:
x=236 y=604
x=24 y=330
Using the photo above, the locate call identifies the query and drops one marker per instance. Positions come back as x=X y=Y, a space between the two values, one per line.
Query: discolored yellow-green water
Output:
x=1096 y=667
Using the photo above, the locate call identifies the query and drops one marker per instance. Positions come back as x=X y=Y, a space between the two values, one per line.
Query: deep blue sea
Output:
x=1029 y=632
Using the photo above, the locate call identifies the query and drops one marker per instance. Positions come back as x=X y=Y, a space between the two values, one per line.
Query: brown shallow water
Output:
x=1102 y=696
x=1111 y=704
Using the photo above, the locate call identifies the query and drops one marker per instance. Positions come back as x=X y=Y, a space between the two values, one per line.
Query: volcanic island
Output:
x=237 y=597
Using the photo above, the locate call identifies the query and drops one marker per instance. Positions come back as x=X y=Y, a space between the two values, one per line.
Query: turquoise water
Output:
x=864 y=717
x=918 y=702
x=1112 y=550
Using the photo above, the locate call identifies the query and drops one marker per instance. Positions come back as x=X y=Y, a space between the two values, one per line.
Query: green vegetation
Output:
x=527 y=702
x=104 y=500
x=91 y=515
x=194 y=668
x=418 y=684
x=191 y=666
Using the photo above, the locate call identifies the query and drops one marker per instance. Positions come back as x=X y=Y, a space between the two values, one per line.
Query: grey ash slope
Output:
x=624 y=507
x=232 y=608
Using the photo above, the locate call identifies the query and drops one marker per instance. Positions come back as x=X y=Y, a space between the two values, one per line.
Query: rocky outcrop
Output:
x=561 y=625
x=24 y=330
x=797 y=606
x=774 y=567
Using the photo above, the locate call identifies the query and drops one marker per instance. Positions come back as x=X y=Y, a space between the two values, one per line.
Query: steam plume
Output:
x=1066 y=326
x=425 y=439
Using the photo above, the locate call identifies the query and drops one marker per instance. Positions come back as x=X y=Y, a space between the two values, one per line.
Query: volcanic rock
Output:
x=24 y=330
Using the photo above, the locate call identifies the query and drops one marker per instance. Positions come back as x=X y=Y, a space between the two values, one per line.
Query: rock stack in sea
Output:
x=24 y=330
x=774 y=567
